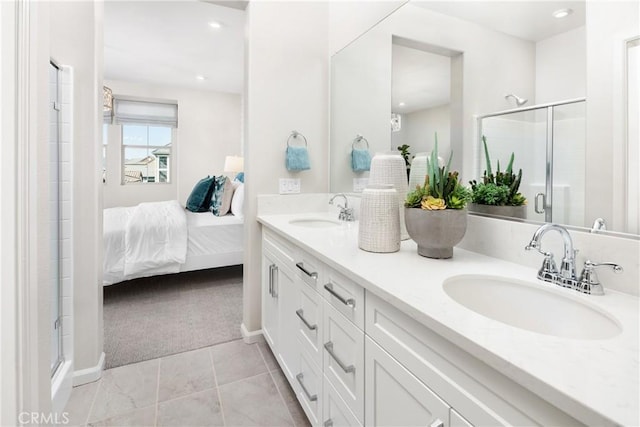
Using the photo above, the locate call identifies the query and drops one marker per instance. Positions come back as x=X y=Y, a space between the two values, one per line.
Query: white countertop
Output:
x=579 y=376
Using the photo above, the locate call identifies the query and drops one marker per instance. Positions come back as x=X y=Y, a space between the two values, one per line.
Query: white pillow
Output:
x=237 y=203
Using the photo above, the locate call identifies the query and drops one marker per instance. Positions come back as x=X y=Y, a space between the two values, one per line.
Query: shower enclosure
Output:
x=548 y=141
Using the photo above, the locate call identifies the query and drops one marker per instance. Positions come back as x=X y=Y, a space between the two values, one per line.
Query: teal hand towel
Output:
x=297 y=159
x=360 y=160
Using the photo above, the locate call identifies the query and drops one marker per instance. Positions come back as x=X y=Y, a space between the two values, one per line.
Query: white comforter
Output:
x=153 y=240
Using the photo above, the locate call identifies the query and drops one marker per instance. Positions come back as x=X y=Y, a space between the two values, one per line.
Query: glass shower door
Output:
x=54 y=218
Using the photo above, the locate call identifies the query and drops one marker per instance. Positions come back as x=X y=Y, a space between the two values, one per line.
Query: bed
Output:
x=163 y=238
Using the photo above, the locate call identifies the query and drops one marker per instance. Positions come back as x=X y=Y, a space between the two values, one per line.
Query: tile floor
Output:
x=230 y=384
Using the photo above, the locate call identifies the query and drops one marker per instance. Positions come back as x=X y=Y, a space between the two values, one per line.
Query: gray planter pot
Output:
x=509 y=211
x=436 y=232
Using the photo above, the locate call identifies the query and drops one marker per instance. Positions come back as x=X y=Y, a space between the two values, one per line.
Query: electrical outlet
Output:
x=359 y=184
x=289 y=185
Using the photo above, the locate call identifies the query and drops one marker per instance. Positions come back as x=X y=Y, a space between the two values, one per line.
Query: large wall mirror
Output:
x=522 y=75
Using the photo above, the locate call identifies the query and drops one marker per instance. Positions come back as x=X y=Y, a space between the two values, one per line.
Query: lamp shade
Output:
x=234 y=164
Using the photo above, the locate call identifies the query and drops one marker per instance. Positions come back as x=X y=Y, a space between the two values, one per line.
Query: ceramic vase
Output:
x=418 y=171
x=390 y=169
x=436 y=232
x=379 y=226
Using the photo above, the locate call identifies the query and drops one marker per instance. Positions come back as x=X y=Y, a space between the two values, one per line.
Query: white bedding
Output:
x=193 y=241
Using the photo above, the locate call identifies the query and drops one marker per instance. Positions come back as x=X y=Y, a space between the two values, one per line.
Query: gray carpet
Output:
x=158 y=316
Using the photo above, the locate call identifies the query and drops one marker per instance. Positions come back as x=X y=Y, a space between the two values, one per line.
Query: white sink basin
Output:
x=530 y=306
x=314 y=222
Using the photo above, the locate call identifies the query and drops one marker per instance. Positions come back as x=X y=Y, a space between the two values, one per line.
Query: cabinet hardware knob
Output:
x=300 y=314
x=311 y=397
x=349 y=302
x=311 y=274
x=328 y=423
x=329 y=347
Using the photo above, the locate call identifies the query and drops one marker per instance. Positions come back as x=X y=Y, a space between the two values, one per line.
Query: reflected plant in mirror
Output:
x=498 y=193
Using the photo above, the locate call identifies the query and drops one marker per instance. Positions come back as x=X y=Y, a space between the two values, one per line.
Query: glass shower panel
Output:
x=524 y=134
x=54 y=218
x=569 y=148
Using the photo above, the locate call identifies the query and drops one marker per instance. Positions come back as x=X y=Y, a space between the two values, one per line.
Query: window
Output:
x=147 y=139
x=146 y=153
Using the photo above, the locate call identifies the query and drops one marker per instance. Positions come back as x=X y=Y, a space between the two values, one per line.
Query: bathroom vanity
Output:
x=386 y=339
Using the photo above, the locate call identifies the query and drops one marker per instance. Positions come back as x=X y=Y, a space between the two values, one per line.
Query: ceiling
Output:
x=419 y=79
x=525 y=19
x=171 y=43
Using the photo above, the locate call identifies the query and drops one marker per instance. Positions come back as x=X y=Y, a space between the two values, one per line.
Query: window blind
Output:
x=145 y=113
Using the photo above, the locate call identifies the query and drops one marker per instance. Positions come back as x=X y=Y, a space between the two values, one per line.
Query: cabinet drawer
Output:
x=308 y=320
x=335 y=413
x=343 y=358
x=482 y=395
x=307 y=383
x=279 y=247
x=310 y=270
x=346 y=296
x=395 y=397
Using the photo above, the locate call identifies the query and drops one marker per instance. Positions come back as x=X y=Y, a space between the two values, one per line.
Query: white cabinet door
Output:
x=287 y=291
x=269 y=300
x=307 y=384
x=309 y=321
x=343 y=358
x=458 y=420
x=395 y=397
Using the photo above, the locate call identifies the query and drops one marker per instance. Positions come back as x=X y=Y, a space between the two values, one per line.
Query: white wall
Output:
x=422 y=126
x=208 y=130
x=608 y=25
x=286 y=88
x=349 y=19
x=561 y=66
x=76 y=40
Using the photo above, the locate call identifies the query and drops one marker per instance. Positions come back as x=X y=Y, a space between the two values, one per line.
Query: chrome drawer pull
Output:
x=329 y=347
x=312 y=398
x=328 y=423
x=300 y=314
x=313 y=274
x=437 y=423
x=274 y=293
x=271 y=279
x=350 y=302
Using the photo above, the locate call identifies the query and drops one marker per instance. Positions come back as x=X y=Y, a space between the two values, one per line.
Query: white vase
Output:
x=390 y=169
x=379 y=223
x=418 y=171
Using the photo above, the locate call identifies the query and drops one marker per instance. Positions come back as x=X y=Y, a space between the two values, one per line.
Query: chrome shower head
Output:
x=519 y=101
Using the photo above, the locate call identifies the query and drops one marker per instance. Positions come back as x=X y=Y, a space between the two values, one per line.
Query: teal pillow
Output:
x=217 y=195
x=200 y=198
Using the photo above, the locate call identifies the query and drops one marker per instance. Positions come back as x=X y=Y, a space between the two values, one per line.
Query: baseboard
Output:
x=251 y=337
x=89 y=375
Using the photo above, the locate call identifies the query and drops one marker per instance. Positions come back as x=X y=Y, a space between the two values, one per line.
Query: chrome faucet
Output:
x=346 y=213
x=588 y=282
x=567 y=275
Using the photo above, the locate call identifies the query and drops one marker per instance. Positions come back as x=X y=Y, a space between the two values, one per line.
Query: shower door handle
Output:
x=544 y=203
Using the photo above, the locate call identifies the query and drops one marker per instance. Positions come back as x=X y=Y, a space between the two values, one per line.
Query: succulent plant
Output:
x=441 y=189
x=500 y=189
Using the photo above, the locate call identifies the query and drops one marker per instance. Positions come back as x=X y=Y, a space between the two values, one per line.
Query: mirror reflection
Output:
x=568 y=151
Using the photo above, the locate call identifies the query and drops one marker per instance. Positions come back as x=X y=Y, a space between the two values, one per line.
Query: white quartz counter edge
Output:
x=581 y=377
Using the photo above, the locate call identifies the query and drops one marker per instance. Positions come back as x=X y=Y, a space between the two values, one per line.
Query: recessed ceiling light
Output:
x=215 y=24
x=201 y=77
x=401 y=104
x=562 y=13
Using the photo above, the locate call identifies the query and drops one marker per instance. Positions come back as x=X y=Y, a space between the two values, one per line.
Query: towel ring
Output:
x=295 y=134
x=359 y=138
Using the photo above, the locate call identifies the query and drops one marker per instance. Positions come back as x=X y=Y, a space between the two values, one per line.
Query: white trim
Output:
x=61 y=384
x=89 y=375
x=251 y=337
x=9 y=377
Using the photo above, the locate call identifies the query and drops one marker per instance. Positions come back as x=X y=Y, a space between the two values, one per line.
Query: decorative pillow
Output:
x=200 y=198
x=237 y=204
x=222 y=195
x=240 y=177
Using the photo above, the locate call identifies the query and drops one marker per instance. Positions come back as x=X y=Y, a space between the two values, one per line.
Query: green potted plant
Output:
x=435 y=213
x=498 y=194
